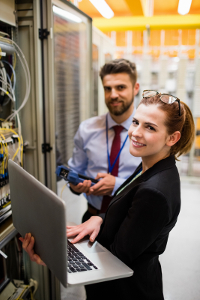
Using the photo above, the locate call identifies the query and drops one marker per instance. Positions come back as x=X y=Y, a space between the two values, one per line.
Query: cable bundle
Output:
x=7 y=87
x=24 y=64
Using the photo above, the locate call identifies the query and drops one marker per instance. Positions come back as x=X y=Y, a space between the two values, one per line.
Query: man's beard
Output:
x=119 y=110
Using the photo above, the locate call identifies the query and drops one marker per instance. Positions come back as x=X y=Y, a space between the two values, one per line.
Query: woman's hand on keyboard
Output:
x=28 y=245
x=90 y=227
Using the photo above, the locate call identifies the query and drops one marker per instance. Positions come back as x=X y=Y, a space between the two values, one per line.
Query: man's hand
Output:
x=91 y=227
x=82 y=187
x=28 y=245
x=105 y=186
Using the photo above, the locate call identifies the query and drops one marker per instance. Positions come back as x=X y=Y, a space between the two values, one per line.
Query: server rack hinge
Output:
x=46 y=148
x=43 y=33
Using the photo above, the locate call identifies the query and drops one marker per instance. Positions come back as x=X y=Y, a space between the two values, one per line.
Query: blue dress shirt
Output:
x=90 y=152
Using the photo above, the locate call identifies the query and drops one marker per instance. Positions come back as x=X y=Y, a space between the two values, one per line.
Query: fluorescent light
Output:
x=66 y=15
x=184 y=6
x=103 y=8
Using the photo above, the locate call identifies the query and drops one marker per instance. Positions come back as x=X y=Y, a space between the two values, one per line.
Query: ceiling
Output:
x=142 y=14
x=153 y=15
x=122 y=8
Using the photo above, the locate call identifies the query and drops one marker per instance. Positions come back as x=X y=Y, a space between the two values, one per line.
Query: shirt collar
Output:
x=126 y=124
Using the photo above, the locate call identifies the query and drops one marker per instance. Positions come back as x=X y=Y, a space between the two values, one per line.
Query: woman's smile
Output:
x=137 y=144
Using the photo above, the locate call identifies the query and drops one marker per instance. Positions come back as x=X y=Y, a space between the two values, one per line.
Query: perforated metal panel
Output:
x=69 y=82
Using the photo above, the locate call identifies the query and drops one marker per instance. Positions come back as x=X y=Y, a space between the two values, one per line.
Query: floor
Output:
x=181 y=260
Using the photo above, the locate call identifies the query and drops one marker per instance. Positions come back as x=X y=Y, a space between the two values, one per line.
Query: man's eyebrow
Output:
x=120 y=84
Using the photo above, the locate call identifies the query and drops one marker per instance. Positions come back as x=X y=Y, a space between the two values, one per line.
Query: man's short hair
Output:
x=119 y=66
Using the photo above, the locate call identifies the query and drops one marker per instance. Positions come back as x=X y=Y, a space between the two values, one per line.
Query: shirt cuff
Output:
x=118 y=182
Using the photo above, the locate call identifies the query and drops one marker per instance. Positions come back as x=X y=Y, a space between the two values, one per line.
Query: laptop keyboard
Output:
x=77 y=262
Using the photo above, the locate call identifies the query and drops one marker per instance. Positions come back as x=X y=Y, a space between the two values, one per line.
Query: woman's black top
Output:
x=136 y=228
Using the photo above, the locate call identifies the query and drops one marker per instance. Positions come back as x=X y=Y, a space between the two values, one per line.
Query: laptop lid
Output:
x=38 y=210
x=35 y=209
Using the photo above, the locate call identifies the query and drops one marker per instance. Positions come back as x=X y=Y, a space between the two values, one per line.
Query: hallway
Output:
x=181 y=260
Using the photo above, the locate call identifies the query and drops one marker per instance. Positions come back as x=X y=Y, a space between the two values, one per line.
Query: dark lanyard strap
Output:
x=110 y=168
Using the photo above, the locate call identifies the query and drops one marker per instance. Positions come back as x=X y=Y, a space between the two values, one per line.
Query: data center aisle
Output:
x=181 y=260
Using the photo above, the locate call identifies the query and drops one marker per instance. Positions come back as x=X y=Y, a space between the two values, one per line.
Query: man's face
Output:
x=119 y=93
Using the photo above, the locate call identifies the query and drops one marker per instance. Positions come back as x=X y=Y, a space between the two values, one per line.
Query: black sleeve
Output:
x=73 y=191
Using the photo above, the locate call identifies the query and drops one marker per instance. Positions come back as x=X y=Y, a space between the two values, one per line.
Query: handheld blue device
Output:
x=72 y=176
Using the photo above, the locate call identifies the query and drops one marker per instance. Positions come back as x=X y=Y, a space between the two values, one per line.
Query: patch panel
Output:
x=10 y=148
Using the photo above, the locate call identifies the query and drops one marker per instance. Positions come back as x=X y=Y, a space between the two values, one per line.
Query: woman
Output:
x=145 y=208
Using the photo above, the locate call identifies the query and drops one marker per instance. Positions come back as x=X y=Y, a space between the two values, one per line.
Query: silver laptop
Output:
x=38 y=210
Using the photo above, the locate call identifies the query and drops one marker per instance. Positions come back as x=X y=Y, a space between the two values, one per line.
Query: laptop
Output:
x=38 y=210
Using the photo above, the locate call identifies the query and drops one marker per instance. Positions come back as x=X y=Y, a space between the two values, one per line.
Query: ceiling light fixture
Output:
x=66 y=15
x=103 y=8
x=184 y=6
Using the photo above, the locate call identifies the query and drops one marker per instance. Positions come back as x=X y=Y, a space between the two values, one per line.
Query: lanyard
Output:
x=110 y=168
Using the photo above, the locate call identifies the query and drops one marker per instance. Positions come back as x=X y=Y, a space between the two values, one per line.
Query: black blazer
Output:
x=136 y=228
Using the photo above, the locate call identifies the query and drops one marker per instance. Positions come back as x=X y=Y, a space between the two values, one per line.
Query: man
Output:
x=95 y=152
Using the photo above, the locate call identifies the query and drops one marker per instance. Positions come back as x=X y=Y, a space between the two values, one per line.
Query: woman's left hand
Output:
x=91 y=227
x=28 y=245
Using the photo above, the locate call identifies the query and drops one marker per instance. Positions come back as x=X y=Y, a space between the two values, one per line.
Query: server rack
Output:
x=60 y=96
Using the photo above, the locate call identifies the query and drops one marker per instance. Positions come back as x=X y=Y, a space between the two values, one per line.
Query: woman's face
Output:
x=148 y=134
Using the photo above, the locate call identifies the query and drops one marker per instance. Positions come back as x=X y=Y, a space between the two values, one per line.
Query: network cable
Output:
x=24 y=64
x=20 y=144
x=5 y=157
x=6 y=88
x=13 y=73
x=6 y=91
x=3 y=76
